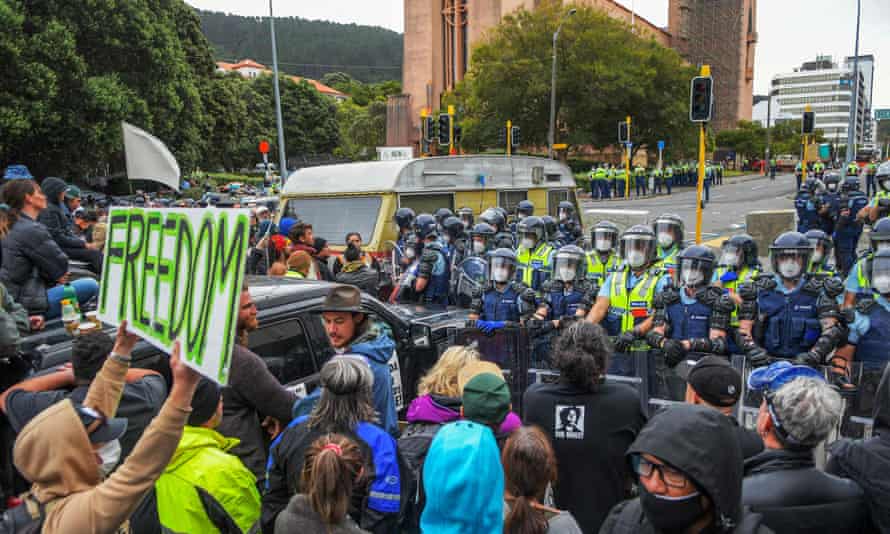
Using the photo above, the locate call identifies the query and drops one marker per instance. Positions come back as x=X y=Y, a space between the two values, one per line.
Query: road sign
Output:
x=661 y=145
x=882 y=114
x=264 y=147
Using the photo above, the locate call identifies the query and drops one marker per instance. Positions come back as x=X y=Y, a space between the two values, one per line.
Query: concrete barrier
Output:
x=765 y=226
x=622 y=218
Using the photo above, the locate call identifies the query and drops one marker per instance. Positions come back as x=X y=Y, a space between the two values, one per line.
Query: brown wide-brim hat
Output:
x=343 y=299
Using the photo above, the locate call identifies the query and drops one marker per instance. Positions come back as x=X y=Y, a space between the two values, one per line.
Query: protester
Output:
x=143 y=392
x=712 y=382
x=299 y=265
x=529 y=467
x=590 y=422
x=203 y=488
x=301 y=236
x=463 y=482
x=356 y=272
x=14 y=324
x=71 y=198
x=333 y=467
x=321 y=257
x=278 y=269
x=867 y=462
x=60 y=449
x=485 y=399
x=689 y=466
x=355 y=239
x=58 y=220
x=798 y=412
x=344 y=408
x=252 y=394
x=84 y=223
x=34 y=268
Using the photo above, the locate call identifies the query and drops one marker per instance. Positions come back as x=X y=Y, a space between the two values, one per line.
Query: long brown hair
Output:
x=333 y=464
x=13 y=194
x=529 y=465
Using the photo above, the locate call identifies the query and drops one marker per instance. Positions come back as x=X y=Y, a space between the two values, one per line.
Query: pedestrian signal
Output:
x=515 y=136
x=701 y=99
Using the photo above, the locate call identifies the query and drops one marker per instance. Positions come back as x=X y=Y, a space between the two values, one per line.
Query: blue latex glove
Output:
x=485 y=327
x=729 y=276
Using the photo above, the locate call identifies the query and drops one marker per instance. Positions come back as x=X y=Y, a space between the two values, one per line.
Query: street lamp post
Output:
x=769 y=110
x=282 y=158
x=854 y=119
x=551 y=139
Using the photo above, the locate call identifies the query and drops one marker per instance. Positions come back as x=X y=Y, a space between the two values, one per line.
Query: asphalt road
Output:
x=725 y=213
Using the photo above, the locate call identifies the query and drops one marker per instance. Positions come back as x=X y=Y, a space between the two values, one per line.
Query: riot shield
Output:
x=391 y=263
x=859 y=407
x=633 y=367
x=508 y=347
x=669 y=385
x=470 y=276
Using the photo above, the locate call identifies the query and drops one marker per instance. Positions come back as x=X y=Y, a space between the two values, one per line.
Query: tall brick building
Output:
x=440 y=35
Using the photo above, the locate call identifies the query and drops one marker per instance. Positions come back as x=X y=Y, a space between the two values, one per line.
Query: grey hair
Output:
x=346 y=399
x=808 y=409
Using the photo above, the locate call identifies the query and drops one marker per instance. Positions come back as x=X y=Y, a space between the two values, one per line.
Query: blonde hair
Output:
x=476 y=368
x=442 y=378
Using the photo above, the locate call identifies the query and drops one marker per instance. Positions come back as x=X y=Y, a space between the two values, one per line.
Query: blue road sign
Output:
x=661 y=145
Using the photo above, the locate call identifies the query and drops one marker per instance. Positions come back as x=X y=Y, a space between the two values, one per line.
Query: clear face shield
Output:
x=666 y=233
x=567 y=267
x=884 y=182
x=529 y=240
x=480 y=245
x=467 y=220
x=730 y=256
x=501 y=269
x=790 y=263
x=880 y=275
x=818 y=251
x=564 y=215
x=637 y=250
x=604 y=240
x=694 y=273
x=831 y=186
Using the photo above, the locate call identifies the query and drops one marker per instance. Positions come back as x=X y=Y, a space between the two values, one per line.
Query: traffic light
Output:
x=444 y=129
x=458 y=134
x=430 y=128
x=622 y=132
x=502 y=136
x=515 y=136
x=809 y=121
x=701 y=98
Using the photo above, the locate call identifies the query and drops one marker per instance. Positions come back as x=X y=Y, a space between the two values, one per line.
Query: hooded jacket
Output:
x=379 y=350
x=359 y=275
x=300 y=517
x=32 y=261
x=700 y=442
x=56 y=218
x=868 y=461
x=53 y=451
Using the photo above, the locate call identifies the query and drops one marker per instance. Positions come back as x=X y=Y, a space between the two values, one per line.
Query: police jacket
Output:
x=561 y=302
x=32 y=262
x=795 y=497
x=375 y=504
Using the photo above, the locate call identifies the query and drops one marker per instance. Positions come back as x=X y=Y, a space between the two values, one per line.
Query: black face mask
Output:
x=671 y=514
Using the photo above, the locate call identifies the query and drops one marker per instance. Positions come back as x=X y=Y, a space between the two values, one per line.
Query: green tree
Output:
x=362 y=129
x=748 y=139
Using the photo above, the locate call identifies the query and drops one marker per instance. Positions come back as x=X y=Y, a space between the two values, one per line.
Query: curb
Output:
x=726 y=181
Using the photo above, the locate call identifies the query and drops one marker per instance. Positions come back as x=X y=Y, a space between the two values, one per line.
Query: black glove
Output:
x=808 y=358
x=624 y=341
x=757 y=357
x=566 y=320
x=674 y=352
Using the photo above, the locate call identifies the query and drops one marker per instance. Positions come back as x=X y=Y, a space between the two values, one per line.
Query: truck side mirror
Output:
x=420 y=335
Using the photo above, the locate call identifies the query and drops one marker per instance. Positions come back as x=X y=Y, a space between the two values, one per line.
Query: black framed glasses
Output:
x=670 y=476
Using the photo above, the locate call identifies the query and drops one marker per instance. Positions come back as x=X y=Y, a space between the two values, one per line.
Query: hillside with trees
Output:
x=308 y=48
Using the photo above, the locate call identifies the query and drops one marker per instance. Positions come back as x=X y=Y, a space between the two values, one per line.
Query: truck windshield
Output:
x=333 y=218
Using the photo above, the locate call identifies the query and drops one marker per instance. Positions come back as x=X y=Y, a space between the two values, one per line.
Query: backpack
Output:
x=28 y=517
x=413 y=446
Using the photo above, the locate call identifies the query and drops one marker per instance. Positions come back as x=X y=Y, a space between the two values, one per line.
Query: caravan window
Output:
x=427 y=203
x=333 y=218
x=509 y=199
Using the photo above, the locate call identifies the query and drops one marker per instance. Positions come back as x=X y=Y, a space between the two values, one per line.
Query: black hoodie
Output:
x=868 y=461
x=702 y=443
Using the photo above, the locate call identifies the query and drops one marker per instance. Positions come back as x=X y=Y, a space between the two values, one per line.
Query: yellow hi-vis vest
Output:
x=598 y=270
x=633 y=306
x=533 y=268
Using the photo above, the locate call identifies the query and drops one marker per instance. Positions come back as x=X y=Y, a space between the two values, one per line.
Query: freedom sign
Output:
x=176 y=274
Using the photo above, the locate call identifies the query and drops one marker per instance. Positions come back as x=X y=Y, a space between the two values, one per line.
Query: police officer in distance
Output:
x=603 y=259
x=535 y=256
x=503 y=300
x=525 y=208
x=669 y=234
x=820 y=265
x=551 y=231
x=692 y=317
x=481 y=239
x=569 y=226
x=454 y=239
x=829 y=203
x=430 y=284
x=879 y=206
x=857 y=283
x=848 y=228
x=790 y=314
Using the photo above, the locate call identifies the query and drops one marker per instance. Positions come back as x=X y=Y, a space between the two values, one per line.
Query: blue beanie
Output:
x=17 y=172
x=463 y=481
x=285 y=224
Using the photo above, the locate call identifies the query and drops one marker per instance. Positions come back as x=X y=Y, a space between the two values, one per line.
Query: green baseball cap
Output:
x=72 y=192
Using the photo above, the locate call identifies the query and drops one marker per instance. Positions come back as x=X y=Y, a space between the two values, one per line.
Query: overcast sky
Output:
x=790 y=31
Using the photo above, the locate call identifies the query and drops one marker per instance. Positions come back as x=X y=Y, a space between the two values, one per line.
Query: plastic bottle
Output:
x=69 y=294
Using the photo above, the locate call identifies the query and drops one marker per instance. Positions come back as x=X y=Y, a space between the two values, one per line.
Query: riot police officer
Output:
x=738 y=262
x=569 y=226
x=669 y=234
x=525 y=208
x=641 y=181
x=403 y=221
x=829 y=203
x=857 y=284
x=819 y=261
x=504 y=299
x=806 y=203
x=551 y=231
x=482 y=239
x=692 y=316
x=624 y=303
x=871 y=171
x=535 y=256
x=790 y=314
x=429 y=281
x=497 y=220
x=848 y=228
x=471 y=273
x=602 y=260
x=798 y=174
x=466 y=217
x=440 y=215
x=879 y=206
x=454 y=239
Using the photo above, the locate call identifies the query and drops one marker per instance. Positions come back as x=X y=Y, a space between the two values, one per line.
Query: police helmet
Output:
x=811 y=185
x=494 y=218
x=442 y=214
x=466 y=217
x=404 y=218
x=565 y=210
x=882 y=176
x=819 y=239
x=739 y=251
x=604 y=236
x=790 y=255
x=551 y=227
x=851 y=183
x=569 y=264
x=638 y=246
x=453 y=227
x=525 y=208
x=668 y=230
x=832 y=182
x=485 y=232
x=502 y=211
x=695 y=266
x=879 y=237
x=879 y=272
x=501 y=265
x=532 y=226
x=425 y=226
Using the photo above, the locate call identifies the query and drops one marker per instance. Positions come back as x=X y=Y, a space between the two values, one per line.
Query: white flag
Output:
x=148 y=158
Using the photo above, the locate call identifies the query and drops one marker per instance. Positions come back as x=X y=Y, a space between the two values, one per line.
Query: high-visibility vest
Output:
x=598 y=270
x=529 y=262
x=633 y=306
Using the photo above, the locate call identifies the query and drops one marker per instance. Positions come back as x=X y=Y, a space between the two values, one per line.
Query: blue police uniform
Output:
x=847 y=231
x=807 y=216
x=500 y=305
x=870 y=331
x=791 y=319
x=826 y=222
x=688 y=318
x=434 y=265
